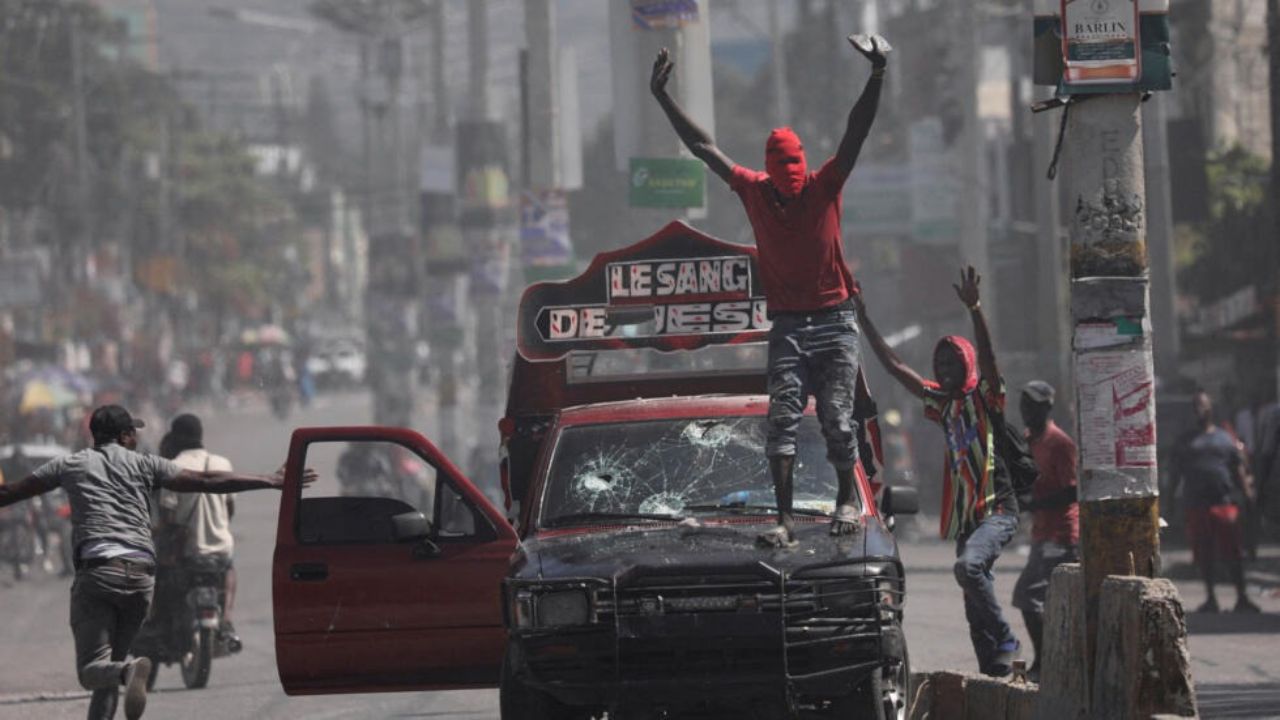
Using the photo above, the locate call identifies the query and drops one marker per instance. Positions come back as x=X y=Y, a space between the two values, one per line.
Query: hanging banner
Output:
x=668 y=183
x=663 y=14
x=484 y=186
x=1100 y=43
x=544 y=230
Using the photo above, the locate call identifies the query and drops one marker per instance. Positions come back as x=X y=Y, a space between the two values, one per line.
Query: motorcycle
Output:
x=281 y=401
x=18 y=544
x=186 y=621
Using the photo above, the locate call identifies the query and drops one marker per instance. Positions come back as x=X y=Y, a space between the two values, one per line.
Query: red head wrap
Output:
x=784 y=161
x=968 y=357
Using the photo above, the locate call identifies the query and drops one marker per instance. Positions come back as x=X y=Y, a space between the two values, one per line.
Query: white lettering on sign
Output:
x=701 y=318
x=575 y=323
x=721 y=276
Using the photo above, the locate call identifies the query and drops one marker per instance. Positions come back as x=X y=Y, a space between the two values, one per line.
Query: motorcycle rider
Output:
x=199 y=523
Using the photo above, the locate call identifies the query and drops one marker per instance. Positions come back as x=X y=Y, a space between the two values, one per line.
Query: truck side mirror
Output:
x=411 y=527
x=900 y=500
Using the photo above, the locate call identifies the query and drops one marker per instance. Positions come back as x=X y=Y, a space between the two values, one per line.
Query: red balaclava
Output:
x=968 y=356
x=784 y=161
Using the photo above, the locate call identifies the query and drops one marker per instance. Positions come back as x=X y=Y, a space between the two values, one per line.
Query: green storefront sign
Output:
x=668 y=183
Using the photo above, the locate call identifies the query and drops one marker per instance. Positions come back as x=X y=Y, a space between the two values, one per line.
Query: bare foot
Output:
x=846 y=521
x=778 y=537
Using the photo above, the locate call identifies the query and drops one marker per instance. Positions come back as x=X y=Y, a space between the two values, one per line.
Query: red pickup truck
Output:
x=635 y=472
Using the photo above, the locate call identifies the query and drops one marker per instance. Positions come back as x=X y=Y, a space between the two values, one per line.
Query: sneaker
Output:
x=1246 y=606
x=1002 y=664
x=135 y=688
x=229 y=636
x=1209 y=606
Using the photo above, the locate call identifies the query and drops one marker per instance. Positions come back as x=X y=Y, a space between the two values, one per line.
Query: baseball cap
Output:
x=1040 y=391
x=111 y=421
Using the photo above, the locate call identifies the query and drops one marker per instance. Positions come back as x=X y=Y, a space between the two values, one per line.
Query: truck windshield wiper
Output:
x=742 y=509
x=560 y=520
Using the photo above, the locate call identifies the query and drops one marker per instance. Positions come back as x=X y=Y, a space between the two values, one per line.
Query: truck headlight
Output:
x=560 y=609
x=522 y=609
x=842 y=596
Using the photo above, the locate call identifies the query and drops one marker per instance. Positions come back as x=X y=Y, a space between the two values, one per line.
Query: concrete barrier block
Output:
x=1064 y=681
x=1143 y=663
x=1021 y=701
x=985 y=698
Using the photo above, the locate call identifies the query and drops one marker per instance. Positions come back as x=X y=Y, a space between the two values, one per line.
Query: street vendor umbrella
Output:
x=40 y=395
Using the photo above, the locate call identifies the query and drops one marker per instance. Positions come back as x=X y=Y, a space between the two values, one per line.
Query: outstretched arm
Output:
x=910 y=379
x=216 y=481
x=968 y=293
x=27 y=487
x=695 y=138
x=863 y=113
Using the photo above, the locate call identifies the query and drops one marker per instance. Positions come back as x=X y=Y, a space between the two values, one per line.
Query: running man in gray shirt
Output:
x=109 y=489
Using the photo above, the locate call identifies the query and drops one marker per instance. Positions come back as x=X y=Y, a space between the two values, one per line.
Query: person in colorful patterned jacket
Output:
x=979 y=508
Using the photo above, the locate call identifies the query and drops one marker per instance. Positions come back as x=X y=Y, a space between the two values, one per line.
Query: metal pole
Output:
x=478 y=58
x=781 y=94
x=974 y=222
x=543 y=140
x=1110 y=308
x=1164 y=317
x=1273 y=43
x=79 y=124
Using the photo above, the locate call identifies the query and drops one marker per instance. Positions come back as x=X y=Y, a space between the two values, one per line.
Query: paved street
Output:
x=1233 y=656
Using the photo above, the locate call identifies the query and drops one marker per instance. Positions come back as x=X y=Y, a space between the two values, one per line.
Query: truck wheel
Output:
x=518 y=701
x=884 y=695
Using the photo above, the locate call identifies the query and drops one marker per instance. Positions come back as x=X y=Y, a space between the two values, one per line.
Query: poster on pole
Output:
x=1117 y=409
x=1100 y=43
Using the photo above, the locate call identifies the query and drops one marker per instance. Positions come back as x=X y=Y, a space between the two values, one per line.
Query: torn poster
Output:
x=1117 y=410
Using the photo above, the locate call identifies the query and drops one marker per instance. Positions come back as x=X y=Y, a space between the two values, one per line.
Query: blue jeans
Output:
x=814 y=354
x=976 y=553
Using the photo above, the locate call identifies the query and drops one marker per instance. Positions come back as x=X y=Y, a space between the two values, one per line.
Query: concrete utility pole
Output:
x=1119 y=507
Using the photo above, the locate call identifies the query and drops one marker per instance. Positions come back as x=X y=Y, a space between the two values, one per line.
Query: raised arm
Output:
x=968 y=293
x=28 y=487
x=910 y=379
x=858 y=126
x=217 y=481
x=695 y=138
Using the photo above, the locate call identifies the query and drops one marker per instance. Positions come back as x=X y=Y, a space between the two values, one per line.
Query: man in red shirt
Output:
x=1055 y=529
x=813 y=343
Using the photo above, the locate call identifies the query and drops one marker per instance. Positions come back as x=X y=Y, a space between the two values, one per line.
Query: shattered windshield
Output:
x=678 y=468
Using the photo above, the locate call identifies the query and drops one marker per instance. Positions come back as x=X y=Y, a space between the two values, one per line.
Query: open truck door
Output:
x=388 y=570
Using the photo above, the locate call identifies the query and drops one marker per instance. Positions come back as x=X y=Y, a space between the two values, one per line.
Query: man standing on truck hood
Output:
x=813 y=344
x=109 y=488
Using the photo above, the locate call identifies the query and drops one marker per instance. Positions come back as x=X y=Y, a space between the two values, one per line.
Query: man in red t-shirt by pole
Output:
x=813 y=344
x=1054 y=506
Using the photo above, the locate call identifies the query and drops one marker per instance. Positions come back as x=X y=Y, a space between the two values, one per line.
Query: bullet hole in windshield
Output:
x=661 y=467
